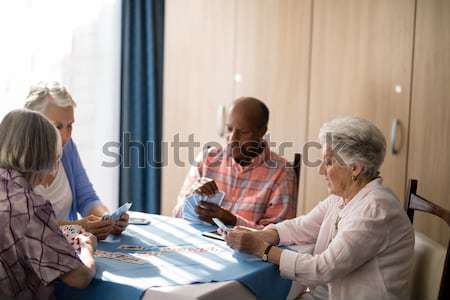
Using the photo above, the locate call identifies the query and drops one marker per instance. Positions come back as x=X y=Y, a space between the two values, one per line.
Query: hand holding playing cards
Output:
x=86 y=244
x=206 y=211
x=120 y=224
x=88 y=241
x=98 y=227
x=205 y=186
x=250 y=242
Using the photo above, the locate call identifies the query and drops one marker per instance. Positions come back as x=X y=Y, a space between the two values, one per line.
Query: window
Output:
x=77 y=43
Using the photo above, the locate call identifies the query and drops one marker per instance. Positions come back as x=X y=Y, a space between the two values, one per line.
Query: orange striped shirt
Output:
x=262 y=193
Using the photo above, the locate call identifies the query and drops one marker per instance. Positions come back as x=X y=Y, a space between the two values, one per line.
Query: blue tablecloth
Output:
x=126 y=281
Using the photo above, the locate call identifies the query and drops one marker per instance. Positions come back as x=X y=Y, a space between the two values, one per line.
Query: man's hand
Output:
x=206 y=211
x=205 y=186
x=120 y=224
x=246 y=241
x=98 y=227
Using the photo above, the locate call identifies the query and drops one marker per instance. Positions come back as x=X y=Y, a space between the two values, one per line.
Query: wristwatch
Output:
x=265 y=256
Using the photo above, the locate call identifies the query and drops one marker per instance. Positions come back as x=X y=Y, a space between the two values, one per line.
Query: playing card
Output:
x=189 y=206
x=119 y=256
x=100 y=253
x=118 y=212
x=221 y=225
x=71 y=233
x=131 y=247
x=216 y=198
x=191 y=202
x=190 y=217
x=189 y=249
x=146 y=254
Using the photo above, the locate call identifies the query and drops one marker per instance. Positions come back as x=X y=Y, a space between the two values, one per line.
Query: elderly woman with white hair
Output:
x=70 y=190
x=33 y=250
x=363 y=240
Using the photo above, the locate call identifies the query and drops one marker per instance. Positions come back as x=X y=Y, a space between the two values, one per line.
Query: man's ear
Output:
x=262 y=132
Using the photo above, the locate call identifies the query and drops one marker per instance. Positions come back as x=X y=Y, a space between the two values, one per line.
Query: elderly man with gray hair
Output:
x=363 y=239
x=33 y=250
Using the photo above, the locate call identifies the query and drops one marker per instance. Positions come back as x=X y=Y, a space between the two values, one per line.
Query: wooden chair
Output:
x=296 y=165
x=415 y=202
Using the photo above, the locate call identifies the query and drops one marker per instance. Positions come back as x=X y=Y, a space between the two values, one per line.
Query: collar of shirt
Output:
x=344 y=209
x=9 y=174
x=258 y=160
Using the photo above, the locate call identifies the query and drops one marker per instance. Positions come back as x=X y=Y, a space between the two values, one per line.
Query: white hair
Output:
x=356 y=140
x=45 y=93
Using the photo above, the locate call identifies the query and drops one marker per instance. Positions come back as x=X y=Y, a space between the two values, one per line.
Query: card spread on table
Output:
x=190 y=249
x=131 y=247
x=137 y=257
x=122 y=257
x=191 y=202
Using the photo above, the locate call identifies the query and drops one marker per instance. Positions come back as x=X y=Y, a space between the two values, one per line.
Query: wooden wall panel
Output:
x=198 y=78
x=429 y=146
x=272 y=58
x=361 y=50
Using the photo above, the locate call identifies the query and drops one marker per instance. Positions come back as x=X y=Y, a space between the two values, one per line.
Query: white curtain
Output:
x=76 y=42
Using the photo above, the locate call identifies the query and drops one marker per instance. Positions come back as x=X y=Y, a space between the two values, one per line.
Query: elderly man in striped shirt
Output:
x=259 y=186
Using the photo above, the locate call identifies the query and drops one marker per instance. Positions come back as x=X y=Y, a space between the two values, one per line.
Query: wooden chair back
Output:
x=415 y=202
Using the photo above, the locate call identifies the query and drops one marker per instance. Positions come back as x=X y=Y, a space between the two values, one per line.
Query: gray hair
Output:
x=29 y=143
x=356 y=140
x=45 y=93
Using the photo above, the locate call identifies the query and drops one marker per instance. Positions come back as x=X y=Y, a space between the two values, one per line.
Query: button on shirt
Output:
x=261 y=193
x=363 y=250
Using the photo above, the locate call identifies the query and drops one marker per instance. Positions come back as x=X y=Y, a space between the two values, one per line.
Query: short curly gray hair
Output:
x=357 y=140
x=44 y=93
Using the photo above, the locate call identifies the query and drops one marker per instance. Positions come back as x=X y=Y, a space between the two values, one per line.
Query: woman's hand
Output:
x=247 y=241
x=120 y=224
x=81 y=277
x=98 y=227
x=88 y=241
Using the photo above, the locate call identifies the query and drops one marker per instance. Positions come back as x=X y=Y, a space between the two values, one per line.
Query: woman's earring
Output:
x=354 y=177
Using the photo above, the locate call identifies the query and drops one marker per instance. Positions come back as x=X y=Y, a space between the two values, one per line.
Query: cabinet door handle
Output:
x=394 y=130
x=220 y=121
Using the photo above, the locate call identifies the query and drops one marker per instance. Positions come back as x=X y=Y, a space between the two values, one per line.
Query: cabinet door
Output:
x=272 y=61
x=361 y=66
x=429 y=156
x=198 y=78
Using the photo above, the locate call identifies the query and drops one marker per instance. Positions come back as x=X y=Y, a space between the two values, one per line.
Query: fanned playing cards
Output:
x=191 y=202
x=71 y=232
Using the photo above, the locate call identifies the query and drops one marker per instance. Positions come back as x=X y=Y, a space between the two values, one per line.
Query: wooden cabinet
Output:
x=217 y=51
x=273 y=65
x=361 y=65
x=312 y=61
x=198 y=78
x=429 y=144
x=272 y=62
